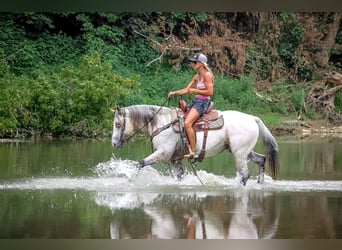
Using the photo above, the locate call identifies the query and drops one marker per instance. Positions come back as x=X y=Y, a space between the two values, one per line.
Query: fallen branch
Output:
x=334 y=77
x=272 y=100
x=171 y=45
x=322 y=98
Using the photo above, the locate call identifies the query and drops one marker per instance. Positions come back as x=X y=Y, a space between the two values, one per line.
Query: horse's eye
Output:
x=118 y=125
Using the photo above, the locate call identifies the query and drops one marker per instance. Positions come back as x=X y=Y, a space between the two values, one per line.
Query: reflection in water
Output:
x=241 y=225
x=318 y=158
x=242 y=214
x=62 y=189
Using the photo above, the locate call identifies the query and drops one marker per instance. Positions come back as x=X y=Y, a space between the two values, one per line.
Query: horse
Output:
x=238 y=135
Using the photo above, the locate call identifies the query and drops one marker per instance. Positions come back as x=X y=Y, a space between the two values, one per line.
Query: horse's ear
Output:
x=116 y=109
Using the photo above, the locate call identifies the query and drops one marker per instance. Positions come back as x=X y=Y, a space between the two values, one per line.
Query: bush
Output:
x=238 y=94
x=14 y=96
x=34 y=56
x=75 y=100
x=87 y=94
x=292 y=95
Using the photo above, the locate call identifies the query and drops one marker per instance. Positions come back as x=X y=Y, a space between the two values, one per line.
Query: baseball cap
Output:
x=199 y=57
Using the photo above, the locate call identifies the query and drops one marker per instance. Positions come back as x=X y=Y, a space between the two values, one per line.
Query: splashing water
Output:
x=116 y=168
x=119 y=176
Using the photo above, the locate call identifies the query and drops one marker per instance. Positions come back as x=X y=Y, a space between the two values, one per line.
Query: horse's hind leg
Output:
x=260 y=160
x=241 y=166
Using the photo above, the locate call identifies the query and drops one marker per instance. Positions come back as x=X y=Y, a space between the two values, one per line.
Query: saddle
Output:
x=209 y=121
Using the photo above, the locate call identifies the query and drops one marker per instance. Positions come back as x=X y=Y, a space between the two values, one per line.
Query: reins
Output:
x=146 y=124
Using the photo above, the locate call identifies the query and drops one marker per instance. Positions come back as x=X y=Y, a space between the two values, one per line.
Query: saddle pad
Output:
x=200 y=125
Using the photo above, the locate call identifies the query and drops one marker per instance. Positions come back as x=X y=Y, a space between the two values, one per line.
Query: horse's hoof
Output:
x=179 y=177
x=261 y=180
x=244 y=180
x=140 y=164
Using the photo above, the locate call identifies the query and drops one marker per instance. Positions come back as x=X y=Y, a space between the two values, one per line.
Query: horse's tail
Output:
x=271 y=147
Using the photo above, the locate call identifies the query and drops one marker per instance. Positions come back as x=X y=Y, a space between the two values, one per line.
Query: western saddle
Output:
x=209 y=121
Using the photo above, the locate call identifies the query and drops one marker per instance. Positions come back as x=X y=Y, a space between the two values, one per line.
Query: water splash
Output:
x=122 y=176
x=115 y=168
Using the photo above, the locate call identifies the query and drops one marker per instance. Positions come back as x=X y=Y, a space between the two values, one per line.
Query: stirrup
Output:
x=191 y=155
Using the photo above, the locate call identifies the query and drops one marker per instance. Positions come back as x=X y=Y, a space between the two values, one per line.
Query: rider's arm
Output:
x=186 y=90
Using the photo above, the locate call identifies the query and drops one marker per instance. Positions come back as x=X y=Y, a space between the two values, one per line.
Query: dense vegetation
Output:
x=62 y=72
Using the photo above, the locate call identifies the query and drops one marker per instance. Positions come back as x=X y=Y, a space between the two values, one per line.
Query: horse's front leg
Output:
x=155 y=157
x=145 y=162
x=177 y=168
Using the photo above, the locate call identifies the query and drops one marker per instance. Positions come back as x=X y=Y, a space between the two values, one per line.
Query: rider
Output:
x=204 y=81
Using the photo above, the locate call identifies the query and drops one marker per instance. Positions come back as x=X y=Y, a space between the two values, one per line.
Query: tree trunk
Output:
x=329 y=41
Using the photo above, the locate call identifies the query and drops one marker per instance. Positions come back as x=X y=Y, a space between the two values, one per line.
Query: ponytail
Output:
x=207 y=68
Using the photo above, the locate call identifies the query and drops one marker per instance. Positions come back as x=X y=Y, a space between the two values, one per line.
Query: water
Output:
x=86 y=189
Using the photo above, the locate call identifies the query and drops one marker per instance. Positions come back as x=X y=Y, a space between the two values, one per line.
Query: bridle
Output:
x=124 y=138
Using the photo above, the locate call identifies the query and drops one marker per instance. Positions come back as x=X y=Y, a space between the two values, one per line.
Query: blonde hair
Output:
x=206 y=66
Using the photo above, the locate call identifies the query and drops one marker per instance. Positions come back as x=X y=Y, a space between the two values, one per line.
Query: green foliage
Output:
x=305 y=72
x=257 y=64
x=271 y=119
x=101 y=36
x=87 y=94
x=13 y=99
x=238 y=94
x=74 y=100
x=292 y=34
x=31 y=57
x=12 y=40
x=7 y=117
x=4 y=67
x=183 y=16
x=63 y=79
x=292 y=96
x=41 y=22
x=175 y=19
x=135 y=57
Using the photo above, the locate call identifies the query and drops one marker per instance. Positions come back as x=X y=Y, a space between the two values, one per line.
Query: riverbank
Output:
x=307 y=128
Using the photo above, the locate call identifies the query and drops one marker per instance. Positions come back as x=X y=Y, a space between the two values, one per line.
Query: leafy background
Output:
x=61 y=73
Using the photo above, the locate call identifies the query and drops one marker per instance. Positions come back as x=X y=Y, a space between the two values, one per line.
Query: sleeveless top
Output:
x=201 y=85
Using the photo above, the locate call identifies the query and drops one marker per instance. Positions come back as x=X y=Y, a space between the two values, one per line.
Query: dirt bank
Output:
x=307 y=128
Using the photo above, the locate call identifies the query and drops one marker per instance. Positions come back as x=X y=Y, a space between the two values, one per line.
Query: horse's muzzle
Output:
x=117 y=143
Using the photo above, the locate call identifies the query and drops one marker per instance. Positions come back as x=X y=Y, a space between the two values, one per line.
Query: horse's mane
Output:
x=143 y=114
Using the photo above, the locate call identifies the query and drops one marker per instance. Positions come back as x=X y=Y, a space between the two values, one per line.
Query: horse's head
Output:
x=121 y=127
x=131 y=120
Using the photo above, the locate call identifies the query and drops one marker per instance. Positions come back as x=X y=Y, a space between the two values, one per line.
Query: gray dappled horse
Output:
x=238 y=135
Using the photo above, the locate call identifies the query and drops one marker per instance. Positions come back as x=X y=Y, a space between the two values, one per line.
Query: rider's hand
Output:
x=172 y=93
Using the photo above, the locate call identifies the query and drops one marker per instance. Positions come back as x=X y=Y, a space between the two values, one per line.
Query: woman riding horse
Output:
x=204 y=80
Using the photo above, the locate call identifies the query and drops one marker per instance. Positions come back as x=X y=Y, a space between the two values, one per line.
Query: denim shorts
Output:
x=200 y=105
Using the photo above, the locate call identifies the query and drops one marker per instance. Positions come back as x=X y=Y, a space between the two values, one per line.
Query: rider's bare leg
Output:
x=192 y=116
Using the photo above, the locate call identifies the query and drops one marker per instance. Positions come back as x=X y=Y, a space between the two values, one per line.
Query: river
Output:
x=86 y=189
